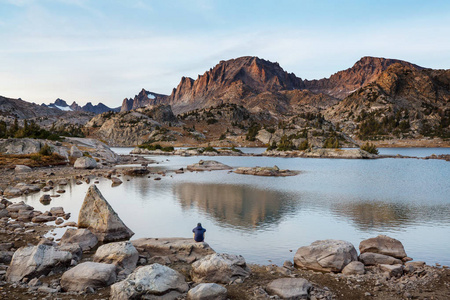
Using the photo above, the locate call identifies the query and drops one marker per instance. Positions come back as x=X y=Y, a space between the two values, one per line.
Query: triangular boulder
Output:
x=99 y=217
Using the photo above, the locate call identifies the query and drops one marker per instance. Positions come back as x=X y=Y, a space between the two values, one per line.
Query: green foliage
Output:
x=273 y=146
x=32 y=130
x=252 y=132
x=369 y=147
x=153 y=147
x=303 y=145
x=45 y=150
x=285 y=144
x=210 y=149
x=331 y=142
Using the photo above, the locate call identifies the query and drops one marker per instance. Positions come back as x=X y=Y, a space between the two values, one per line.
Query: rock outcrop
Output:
x=88 y=275
x=174 y=249
x=220 y=268
x=325 y=255
x=85 y=163
x=149 y=282
x=265 y=171
x=99 y=217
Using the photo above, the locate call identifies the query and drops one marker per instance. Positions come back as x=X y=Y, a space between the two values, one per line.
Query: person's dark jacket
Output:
x=199 y=233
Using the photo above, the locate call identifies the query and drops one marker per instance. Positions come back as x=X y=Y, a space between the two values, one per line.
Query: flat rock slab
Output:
x=383 y=244
x=207 y=291
x=100 y=218
x=326 y=255
x=150 y=282
x=174 y=248
x=88 y=274
x=266 y=171
x=393 y=270
x=354 y=268
x=290 y=288
x=208 y=165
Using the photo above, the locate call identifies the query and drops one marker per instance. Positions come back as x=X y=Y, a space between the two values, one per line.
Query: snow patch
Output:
x=150 y=96
x=65 y=108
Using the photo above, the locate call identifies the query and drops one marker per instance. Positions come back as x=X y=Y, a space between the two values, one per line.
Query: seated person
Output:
x=199 y=233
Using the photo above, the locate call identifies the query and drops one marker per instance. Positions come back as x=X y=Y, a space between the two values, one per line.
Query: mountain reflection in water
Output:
x=237 y=205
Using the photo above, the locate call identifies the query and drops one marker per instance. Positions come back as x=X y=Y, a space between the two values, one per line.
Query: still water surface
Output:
x=265 y=218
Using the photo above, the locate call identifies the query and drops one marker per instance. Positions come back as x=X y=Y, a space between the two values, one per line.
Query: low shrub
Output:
x=369 y=147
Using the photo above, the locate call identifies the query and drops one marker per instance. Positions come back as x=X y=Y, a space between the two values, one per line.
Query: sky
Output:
x=105 y=51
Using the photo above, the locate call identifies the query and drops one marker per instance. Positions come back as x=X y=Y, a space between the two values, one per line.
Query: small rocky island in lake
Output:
x=208 y=165
x=265 y=171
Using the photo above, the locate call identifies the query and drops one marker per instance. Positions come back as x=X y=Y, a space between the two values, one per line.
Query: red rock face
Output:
x=232 y=81
x=363 y=72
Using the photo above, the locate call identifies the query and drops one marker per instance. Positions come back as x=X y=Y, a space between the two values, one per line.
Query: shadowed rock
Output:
x=82 y=237
x=122 y=254
x=99 y=217
x=207 y=291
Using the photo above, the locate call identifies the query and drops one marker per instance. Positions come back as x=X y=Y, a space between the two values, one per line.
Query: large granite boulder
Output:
x=290 y=288
x=207 y=291
x=34 y=261
x=88 y=274
x=85 y=163
x=121 y=254
x=220 y=268
x=150 y=282
x=83 y=237
x=383 y=244
x=325 y=255
x=371 y=259
x=99 y=217
x=173 y=248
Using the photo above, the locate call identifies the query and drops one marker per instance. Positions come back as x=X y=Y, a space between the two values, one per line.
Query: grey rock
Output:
x=57 y=211
x=325 y=255
x=173 y=248
x=371 y=259
x=83 y=237
x=45 y=199
x=207 y=291
x=88 y=275
x=393 y=270
x=75 y=152
x=122 y=254
x=354 y=268
x=116 y=181
x=34 y=261
x=98 y=216
x=220 y=268
x=383 y=244
x=290 y=288
x=22 y=169
x=5 y=257
x=150 y=282
x=85 y=163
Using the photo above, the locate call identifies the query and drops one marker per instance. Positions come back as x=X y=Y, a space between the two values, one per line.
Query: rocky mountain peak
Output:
x=60 y=102
x=363 y=72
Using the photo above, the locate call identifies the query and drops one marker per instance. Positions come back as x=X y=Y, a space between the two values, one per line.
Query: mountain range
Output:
x=96 y=109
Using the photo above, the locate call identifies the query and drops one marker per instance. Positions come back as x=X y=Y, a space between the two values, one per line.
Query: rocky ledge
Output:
x=324 y=153
x=266 y=171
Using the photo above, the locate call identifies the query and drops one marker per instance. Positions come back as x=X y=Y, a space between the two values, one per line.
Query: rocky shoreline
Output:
x=79 y=267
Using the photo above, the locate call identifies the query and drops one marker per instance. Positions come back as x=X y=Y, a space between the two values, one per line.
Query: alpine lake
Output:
x=266 y=219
